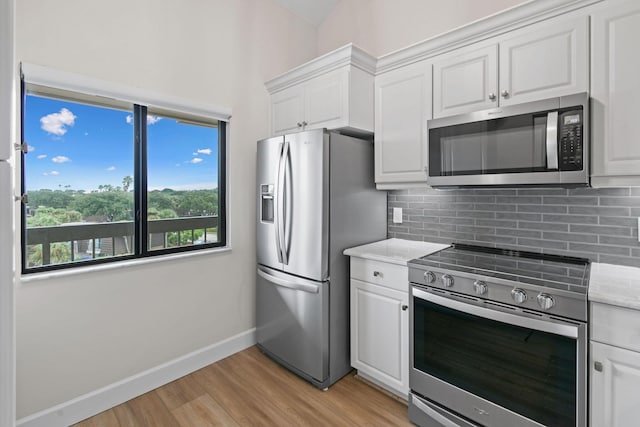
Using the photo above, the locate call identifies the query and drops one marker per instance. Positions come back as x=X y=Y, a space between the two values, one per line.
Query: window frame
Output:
x=44 y=82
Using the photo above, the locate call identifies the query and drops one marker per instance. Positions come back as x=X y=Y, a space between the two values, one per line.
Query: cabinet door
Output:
x=380 y=334
x=287 y=110
x=615 y=385
x=615 y=90
x=326 y=100
x=465 y=81
x=402 y=108
x=545 y=61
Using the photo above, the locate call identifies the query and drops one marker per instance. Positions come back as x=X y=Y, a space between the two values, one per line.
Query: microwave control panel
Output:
x=571 y=140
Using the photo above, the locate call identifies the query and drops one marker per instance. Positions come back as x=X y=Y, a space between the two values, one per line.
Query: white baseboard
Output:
x=112 y=395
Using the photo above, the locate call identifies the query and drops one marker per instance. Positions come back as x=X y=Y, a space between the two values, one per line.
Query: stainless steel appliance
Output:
x=316 y=197
x=541 y=142
x=498 y=338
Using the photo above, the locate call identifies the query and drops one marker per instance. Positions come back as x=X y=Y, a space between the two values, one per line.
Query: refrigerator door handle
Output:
x=288 y=208
x=305 y=287
x=277 y=202
x=283 y=255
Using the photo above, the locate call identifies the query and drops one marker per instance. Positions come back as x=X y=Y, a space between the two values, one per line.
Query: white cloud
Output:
x=54 y=173
x=151 y=120
x=30 y=148
x=45 y=173
x=42 y=156
x=55 y=123
x=206 y=151
x=196 y=160
x=60 y=159
x=110 y=168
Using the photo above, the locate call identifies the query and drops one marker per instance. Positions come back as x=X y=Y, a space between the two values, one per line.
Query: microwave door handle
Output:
x=552 y=140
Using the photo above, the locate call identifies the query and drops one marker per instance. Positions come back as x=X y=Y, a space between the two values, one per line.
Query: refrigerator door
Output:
x=306 y=204
x=292 y=319
x=270 y=163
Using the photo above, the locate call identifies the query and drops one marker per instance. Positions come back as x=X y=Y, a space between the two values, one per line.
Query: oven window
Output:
x=507 y=145
x=529 y=372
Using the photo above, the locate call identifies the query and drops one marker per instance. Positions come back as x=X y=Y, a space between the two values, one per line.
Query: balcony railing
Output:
x=96 y=233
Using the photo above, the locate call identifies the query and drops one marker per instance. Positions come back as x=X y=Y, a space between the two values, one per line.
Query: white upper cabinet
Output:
x=287 y=110
x=615 y=95
x=539 y=61
x=465 y=80
x=333 y=91
x=403 y=106
x=544 y=61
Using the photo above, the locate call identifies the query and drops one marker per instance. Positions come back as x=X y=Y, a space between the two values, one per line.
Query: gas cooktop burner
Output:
x=551 y=271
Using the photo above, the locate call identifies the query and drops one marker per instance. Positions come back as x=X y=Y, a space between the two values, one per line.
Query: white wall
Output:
x=383 y=26
x=78 y=333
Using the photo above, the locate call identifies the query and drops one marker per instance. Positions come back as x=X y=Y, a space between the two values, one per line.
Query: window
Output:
x=107 y=180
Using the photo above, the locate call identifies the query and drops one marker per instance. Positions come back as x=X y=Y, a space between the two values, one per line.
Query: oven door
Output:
x=494 y=365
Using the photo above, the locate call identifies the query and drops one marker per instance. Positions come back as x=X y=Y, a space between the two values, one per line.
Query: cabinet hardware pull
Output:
x=492 y=96
x=299 y=124
x=504 y=93
x=377 y=274
x=597 y=366
x=404 y=307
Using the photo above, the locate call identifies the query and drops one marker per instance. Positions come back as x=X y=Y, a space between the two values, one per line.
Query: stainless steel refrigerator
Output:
x=316 y=197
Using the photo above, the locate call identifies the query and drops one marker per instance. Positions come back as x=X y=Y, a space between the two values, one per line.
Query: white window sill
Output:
x=90 y=269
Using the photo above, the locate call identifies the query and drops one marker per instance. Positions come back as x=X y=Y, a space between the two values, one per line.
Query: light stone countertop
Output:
x=615 y=285
x=395 y=251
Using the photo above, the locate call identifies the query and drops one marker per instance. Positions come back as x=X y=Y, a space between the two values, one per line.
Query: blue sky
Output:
x=82 y=146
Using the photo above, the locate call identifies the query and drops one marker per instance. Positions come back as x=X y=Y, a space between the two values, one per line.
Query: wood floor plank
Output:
x=104 y=419
x=180 y=392
x=125 y=416
x=249 y=389
x=150 y=410
x=203 y=412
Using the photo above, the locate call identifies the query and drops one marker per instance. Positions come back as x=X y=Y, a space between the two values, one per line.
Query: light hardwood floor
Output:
x=249 y=389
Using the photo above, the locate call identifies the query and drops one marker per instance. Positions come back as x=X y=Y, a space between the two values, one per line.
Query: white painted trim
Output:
x=7 y=221
x=49 y=77
x=90 y=269
x=112 y=395
x=499 y=23
x=345 y=55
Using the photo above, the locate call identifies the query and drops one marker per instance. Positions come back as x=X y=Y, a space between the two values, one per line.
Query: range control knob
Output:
x=545 y=301
x=480 y=287
x=429 y=277
x=447 y=280
x=519 y=295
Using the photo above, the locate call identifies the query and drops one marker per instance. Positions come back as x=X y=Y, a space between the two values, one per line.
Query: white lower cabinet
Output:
x=614 y=366
x=380 y=326
x=615 y=386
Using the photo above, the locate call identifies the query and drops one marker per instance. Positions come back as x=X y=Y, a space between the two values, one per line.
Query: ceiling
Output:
x=314 y=11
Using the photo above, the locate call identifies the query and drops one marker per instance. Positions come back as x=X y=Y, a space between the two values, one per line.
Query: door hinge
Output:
x=24 y=198
x=24 y=147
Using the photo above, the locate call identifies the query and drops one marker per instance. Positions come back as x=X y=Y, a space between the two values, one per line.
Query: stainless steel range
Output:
x=498 y=338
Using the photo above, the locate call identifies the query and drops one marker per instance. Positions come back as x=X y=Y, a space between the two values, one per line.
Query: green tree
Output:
x=50 y=198
x=115 y=205
x=52 y=216
x=126 y=183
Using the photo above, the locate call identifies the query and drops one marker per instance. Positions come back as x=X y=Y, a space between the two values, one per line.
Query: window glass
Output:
x=183 y=200
x=78 y=178
x=106 y=180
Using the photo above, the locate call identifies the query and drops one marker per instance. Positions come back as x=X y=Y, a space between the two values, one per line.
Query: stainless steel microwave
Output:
x=538 y=143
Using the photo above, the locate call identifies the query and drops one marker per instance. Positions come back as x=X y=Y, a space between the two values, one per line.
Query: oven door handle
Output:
x=552 y=327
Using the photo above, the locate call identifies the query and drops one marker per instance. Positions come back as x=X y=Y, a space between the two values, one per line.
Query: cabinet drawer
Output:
x=392 y=276
x=615 y=325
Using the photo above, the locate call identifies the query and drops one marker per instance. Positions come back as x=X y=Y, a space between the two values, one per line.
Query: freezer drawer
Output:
x=292 y=318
